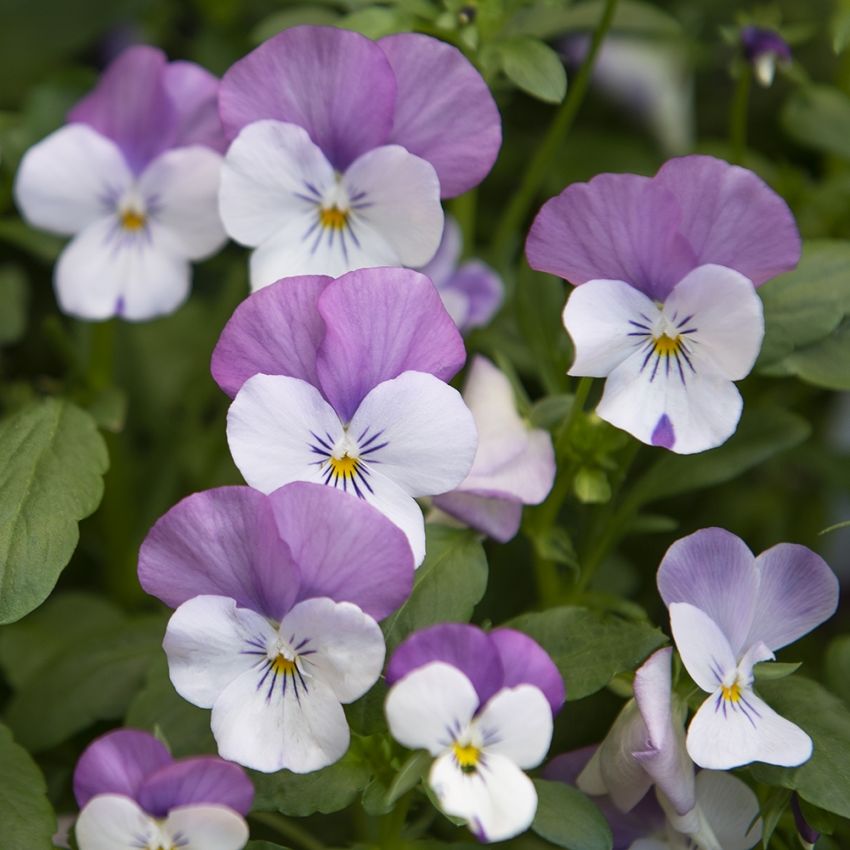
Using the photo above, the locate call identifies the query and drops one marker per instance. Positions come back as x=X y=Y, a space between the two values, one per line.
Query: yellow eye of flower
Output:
x=732 y=693
x=132 y=220
x=283 y=666
x=345 y=466
x=665 y=346
x=467 y=756
x=333 y=218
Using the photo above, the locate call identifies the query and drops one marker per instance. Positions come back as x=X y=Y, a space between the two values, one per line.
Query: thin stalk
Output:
x=288 y=829
x=101 y=352
x=738 y=114
x=463 y=208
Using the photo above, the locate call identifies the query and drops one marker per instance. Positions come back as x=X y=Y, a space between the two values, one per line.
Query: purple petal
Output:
x=616 y=227
x=195 y=781
x=482 y=287
x=275 y=331
x=797 y=591
x=118 y=763
x=444 y=110
x=194 y=91
x=467 y=648
x=497 y=515
x=444 y=263
x=664 y=435
x=345 y=549
x=380 y=323
x=222 y=542
x=757 y=41
x=336 y=84
x=525 y=662
x=131 y=106
x=731 y=217
x=713 y=570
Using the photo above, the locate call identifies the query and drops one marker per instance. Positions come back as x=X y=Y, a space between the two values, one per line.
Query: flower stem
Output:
x=463 y=209
x=738 y=114
x=288 y=829
x=101 y=349
x=504 y=239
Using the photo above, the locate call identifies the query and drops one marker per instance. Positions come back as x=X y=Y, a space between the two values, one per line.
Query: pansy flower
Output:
x=342 y=382
x=133 y=794
x=482 y=705
x=133 y=177
x=342 y=148
x=472 y=291
x=730 y=610
x=514 y=464
x=664 y=306
x=277 y=600
x=764 y=49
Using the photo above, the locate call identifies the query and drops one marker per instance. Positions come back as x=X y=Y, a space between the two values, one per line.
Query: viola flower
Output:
x=342 y=148
x=276 y=599
x=764 y=49
x=728 y=611
x=342 y=382
x=514 y=464
x=482 y=705
x=664 y=306
x=133 y=794
x=472 y=292
x=133 y=177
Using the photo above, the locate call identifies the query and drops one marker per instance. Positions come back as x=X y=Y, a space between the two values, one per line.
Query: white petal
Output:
x=105 y=271
x=704 y=649
x=279 y=722
x=498 y=801
x=271 y=425
x=346 y=646
x=70 y=179
x=428 y=437
x=400 y=204
x=180 y=189
x=429 y=703
x=725 y=734
x=207 y=643
x=114 y=822
x=206 y=827
x=731 y=809
x=517 y=723
x=728 y=318
x=597 y=318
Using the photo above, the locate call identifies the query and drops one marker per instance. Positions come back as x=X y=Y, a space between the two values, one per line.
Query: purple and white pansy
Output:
x=133 y=794
x=664 y=306
x=514 y=464
x=342 y=148
x=764 y=49
x=342 y=382
x=277 y=600
x=133 y=177
x=730 y=610
x=482 y=704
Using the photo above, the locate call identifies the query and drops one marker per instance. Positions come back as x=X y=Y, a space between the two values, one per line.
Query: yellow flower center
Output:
x=345 y=466
x=283 y=666
x=467 y=756
x=666 y=346
x=132 y=220
x=333 y=218
x=732 y=693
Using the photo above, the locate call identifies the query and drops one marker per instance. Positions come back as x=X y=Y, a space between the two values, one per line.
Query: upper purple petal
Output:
x=380 y=323
x=797 y=591
x=525 y=662
x=118 y=763
x=222 y=542
x=336 y=84
x=345 y=549
x=482 y=287
x=444 y=110
x=495 y=514
x=467 y=648
x=194 y=91
x=275 y=331
x=757 y=41
x=731 y=217
x=713 y=570
x=616 y=227
x=193 y=781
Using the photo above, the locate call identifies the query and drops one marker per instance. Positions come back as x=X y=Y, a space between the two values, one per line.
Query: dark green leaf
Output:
x=534 y=67
x=547 y=20
x=52 y=460
x=293 y=17
x=14 y=297
x=43 y=246
x=769 y=670
x=263 y=845
x=826 y=363
x=567 y=818
x=551 y=411
x=838 y=667
x=818 y=116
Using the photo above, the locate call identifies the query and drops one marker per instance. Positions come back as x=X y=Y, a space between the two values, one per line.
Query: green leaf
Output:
x=534 y=67
x=410 y=774
x=838 y=667
x=94 y=679
x=547 y=20
x=263 y=845
x=14 y=297
x=293 y=17
x=300 y=794
x=818 y=117
x=553 y=544
x=376 y=21
x=27 y=818
x=567 y=818
x=448 y=585
x=43 y=246
x=769 y=670
x=551 y=411
x=52 y=460
x=824 y=780
x=826 y=363
x=591 y=486
x=589 y=647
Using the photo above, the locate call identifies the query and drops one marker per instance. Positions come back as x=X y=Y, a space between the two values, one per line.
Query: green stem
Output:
x=463 y=209
x=579 y=400
x=738 y=114
x=101 y=349
x=288 y=829
x=532 y=181
x=393 y=823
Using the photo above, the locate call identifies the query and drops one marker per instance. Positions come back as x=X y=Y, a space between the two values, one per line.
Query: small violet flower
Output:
x=728 y=611
x=342 y=382
x=277 y=599
x=134 y=794
x=664 y=306
x=482 y=705
x=471 y=292
x=342 y=148
x=133 y=177
x=514 y=464
x=764 y=49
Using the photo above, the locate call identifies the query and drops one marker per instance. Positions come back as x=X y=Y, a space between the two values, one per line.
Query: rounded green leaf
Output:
x=534 y=67
x=567 y=818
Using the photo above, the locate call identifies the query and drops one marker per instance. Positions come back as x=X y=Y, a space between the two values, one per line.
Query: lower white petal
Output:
x=498 y=800
x=114 y=822
x=206 y=827
x=517 y=723
x=731 y=809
